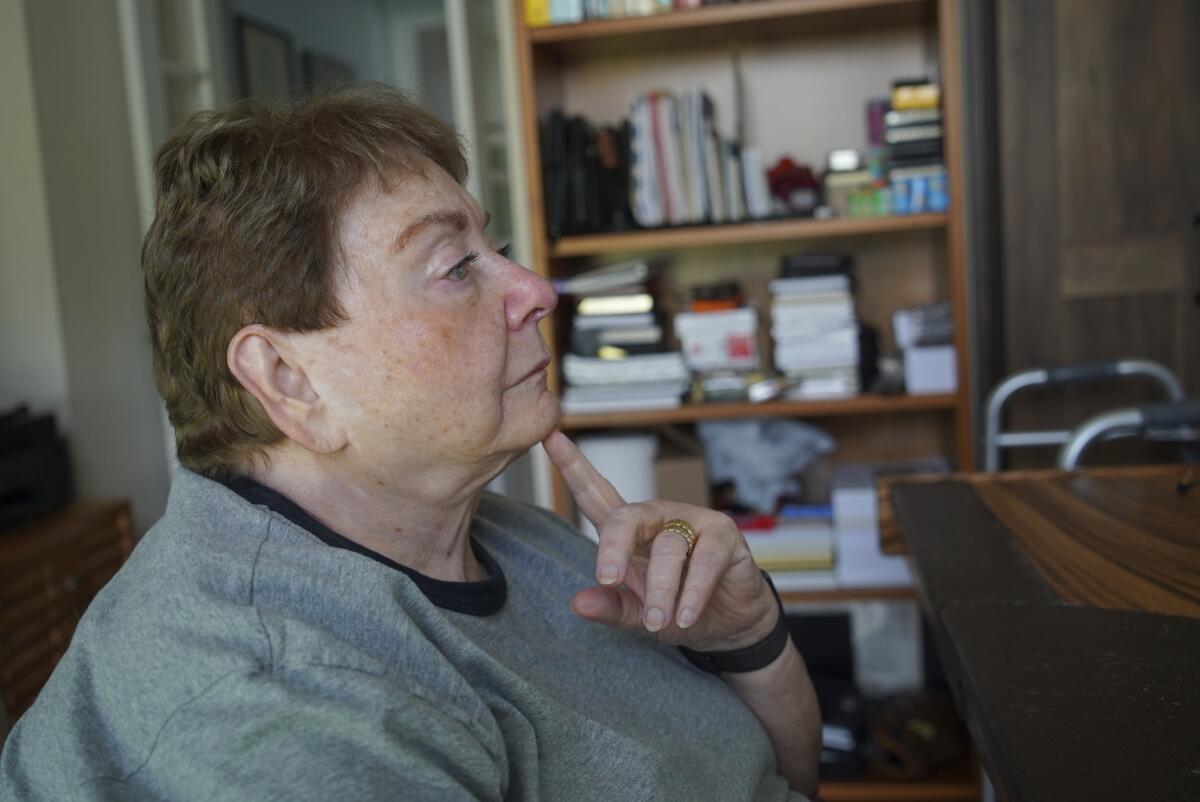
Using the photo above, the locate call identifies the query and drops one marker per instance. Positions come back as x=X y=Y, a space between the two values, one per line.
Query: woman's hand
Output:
x=716 y=599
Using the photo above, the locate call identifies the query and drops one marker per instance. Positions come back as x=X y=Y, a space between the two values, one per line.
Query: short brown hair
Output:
x=246 y=231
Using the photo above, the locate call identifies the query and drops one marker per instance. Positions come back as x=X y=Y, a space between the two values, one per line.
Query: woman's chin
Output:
x=527 y=422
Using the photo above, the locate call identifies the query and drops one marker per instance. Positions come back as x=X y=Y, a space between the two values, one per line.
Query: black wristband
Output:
x=750 y=658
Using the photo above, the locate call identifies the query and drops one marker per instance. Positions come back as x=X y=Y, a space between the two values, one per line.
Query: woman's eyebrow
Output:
x=444 y=217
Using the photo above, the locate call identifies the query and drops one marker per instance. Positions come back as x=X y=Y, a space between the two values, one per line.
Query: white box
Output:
x=930 y=369
x=719 y=340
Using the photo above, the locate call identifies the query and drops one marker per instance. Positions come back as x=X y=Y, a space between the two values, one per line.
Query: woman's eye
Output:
x=463 y=267
x=506 y=251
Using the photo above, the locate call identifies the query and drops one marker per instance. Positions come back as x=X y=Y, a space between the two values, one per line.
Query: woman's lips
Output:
x=538 y=368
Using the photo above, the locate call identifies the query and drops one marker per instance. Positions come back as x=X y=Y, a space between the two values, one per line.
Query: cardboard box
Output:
x=680 y=471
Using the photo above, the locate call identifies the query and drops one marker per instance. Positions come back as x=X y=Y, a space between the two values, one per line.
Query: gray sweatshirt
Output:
x=238 y=656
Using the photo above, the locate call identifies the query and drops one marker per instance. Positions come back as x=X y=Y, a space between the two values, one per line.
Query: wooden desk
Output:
x=1067 y=611
x=50 y=568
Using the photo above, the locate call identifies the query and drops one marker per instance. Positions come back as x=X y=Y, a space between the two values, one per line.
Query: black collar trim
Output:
x=473 y=598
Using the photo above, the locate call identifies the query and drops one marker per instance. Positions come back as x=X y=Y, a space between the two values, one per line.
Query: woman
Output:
x=331 y=607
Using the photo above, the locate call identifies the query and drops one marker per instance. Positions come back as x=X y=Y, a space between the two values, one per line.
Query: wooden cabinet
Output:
x=50 y=569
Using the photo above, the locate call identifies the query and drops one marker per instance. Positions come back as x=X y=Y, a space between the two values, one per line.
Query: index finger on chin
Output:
x=594 y=494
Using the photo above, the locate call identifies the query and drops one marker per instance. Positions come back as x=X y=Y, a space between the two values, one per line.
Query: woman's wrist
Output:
x=753 y=647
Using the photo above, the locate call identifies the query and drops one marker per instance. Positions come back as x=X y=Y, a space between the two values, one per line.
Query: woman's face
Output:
x=440 y=362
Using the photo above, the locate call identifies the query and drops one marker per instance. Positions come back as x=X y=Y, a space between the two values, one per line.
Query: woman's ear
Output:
x=264 y=362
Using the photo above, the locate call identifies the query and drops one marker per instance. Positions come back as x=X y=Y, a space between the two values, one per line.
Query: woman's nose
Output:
x=529 y=299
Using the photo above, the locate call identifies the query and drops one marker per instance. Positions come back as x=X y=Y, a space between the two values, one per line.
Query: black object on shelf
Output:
x=585 y=175
x=35 y=473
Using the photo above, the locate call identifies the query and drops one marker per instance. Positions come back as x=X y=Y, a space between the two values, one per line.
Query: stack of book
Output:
x=860 y=561
x=562 y=12
x=619 y=359
x=913 y=136
x=814 y=327
x=796 y=548
x=683 y=172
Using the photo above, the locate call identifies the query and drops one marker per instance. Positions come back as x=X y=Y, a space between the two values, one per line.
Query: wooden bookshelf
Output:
x=866 y=404
x=752 y=19
x=667 y=239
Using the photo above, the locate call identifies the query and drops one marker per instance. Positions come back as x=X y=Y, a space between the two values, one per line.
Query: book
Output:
x=731 y=172
x=566 y=11
x=665 y=133
x=691 y=157
x=754 y=176
x=799 y=581
x=712 y=154
x=633 y=303
x=916 y=93
x=815 y=354
x=810 y=286
x=612 y=321
x=814 y=263
x=914 y=133
x=537 y=13
x=899 y=118
x=609 y=277
x=811 y=300
x=661 y=367
x=617 y=397
x=845 y=335
x=793 y=544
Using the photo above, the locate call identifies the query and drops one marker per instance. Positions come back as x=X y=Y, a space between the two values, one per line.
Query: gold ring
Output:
x=684 y=530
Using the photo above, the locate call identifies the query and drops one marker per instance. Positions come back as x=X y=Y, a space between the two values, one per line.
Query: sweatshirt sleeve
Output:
x=311 y=733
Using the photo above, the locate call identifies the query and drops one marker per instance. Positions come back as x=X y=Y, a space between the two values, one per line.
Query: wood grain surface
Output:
x=1118 y=538
x=1117 y=542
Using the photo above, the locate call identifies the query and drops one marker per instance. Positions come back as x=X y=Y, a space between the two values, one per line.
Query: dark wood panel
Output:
x=1098 y=105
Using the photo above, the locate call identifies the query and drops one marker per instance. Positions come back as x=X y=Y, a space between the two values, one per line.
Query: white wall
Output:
x=96 y=233
x=33 y=365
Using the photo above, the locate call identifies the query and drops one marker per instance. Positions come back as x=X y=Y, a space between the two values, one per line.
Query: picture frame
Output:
x=322 y=69
x=265 y=59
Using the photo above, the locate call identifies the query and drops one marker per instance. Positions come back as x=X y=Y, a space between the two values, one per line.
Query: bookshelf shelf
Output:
x=753 y=19
x=741 y=234
x=848 y=594
x=866 y=404
x=955 y=783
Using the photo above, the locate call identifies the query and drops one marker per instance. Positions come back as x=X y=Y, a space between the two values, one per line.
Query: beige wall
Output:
x=33 y=366
x=95 y=234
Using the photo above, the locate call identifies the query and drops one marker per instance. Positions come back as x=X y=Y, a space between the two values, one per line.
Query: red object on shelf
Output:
x=754 y=522
x=795 y=185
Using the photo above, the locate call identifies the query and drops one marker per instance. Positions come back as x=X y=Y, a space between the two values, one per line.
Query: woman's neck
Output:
x=425 y=532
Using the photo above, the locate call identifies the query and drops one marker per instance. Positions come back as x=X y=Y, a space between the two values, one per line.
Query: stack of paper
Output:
x=644 y=381
x=860 y=563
